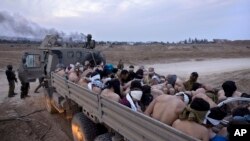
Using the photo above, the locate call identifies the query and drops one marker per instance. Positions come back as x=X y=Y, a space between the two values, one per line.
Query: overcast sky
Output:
x=139 y=20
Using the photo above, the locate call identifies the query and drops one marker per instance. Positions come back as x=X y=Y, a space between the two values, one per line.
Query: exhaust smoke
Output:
x=14 y=26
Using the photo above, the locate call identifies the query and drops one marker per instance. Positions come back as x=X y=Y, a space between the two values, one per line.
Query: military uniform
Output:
x=41 y=84
x=120 y=65
x=24 y=89
x=90 y=44
x=11 y=77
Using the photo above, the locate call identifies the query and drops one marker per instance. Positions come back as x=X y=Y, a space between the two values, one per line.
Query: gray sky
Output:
x=139 y=20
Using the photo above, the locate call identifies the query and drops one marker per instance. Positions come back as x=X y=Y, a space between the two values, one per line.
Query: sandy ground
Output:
x=36 y=127
x=215 y=64
x=204 y=67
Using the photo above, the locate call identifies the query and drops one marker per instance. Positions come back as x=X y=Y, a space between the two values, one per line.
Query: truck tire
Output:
x=49 y=106
x=104 y=137
x=83 y=129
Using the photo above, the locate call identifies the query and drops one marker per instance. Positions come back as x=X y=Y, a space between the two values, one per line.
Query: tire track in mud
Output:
x=46 y=126
x=36 y=127
x=40 y=126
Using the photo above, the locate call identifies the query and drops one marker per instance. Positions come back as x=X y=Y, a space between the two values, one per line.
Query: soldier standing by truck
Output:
x=25 y=89
x=89 y=44
x=41 y=84
x=11 y=79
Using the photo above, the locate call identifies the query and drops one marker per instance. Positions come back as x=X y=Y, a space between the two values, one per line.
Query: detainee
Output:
x=166 y=108
x=112 y=90
x=191 y=120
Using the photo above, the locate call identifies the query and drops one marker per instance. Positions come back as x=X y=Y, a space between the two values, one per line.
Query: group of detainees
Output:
x=189 y=106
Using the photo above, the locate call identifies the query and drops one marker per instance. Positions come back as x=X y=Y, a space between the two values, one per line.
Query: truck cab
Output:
x=31 y=66
x=40 y=62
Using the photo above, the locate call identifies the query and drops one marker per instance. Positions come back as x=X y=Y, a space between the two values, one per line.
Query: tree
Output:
x=195 y=40
x=189 y=40
x=185 y=41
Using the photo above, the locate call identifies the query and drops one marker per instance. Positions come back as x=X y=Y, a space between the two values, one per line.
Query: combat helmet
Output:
x=9 y=67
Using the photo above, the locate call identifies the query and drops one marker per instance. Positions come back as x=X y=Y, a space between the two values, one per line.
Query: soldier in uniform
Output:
x=90 y=44
x=41 y=84
x=120 y=65
x=11 y=79
x=25 y=89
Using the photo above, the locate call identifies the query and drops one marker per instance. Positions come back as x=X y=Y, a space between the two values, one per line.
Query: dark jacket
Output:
x=10 y=75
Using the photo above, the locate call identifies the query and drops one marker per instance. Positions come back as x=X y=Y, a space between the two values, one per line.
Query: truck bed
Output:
x=134 y=126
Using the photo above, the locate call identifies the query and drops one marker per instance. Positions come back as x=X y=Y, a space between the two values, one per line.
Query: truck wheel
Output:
x=83 y=129
x=49 y=106
x=104 y=137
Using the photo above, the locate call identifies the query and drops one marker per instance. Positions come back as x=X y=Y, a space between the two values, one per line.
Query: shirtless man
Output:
x=229 y=90
x=60 y=70
x=192 y=128
x=112 y=91
x=166 y=108
x=95 y=83
x=191 y=123
x=213 y=122
x=155 y=80
x=123 y=77
x=176 y=82
x=156 y=92
x=74 y=74
x=206 y=98
x=165 y=88
x=148 y=76
x=88 y=68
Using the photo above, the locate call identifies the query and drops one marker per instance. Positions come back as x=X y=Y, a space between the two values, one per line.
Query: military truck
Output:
x=93 y=117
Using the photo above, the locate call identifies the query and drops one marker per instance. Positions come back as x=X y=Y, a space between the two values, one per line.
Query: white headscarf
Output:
x=185 y=97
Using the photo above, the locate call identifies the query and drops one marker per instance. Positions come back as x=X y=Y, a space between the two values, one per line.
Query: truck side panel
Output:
x=132 y=125
x=136 y=126
x=60 y=84
x=86 y=99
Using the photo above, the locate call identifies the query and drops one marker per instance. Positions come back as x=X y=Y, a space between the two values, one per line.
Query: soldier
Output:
x=192 y=80
x=90 y=44
x=24 y=89
x=41 y=84
x=11 y=79
x=41 y=79
x=120 y=65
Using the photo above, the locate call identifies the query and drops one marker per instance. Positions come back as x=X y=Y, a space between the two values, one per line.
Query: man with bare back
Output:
x=191 y=119
x=176 y=82
x=229 y=90
x=166 y=108
x=112 y=90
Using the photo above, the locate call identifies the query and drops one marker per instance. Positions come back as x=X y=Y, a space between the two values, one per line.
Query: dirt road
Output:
x=203 y=67
x=35 y=127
